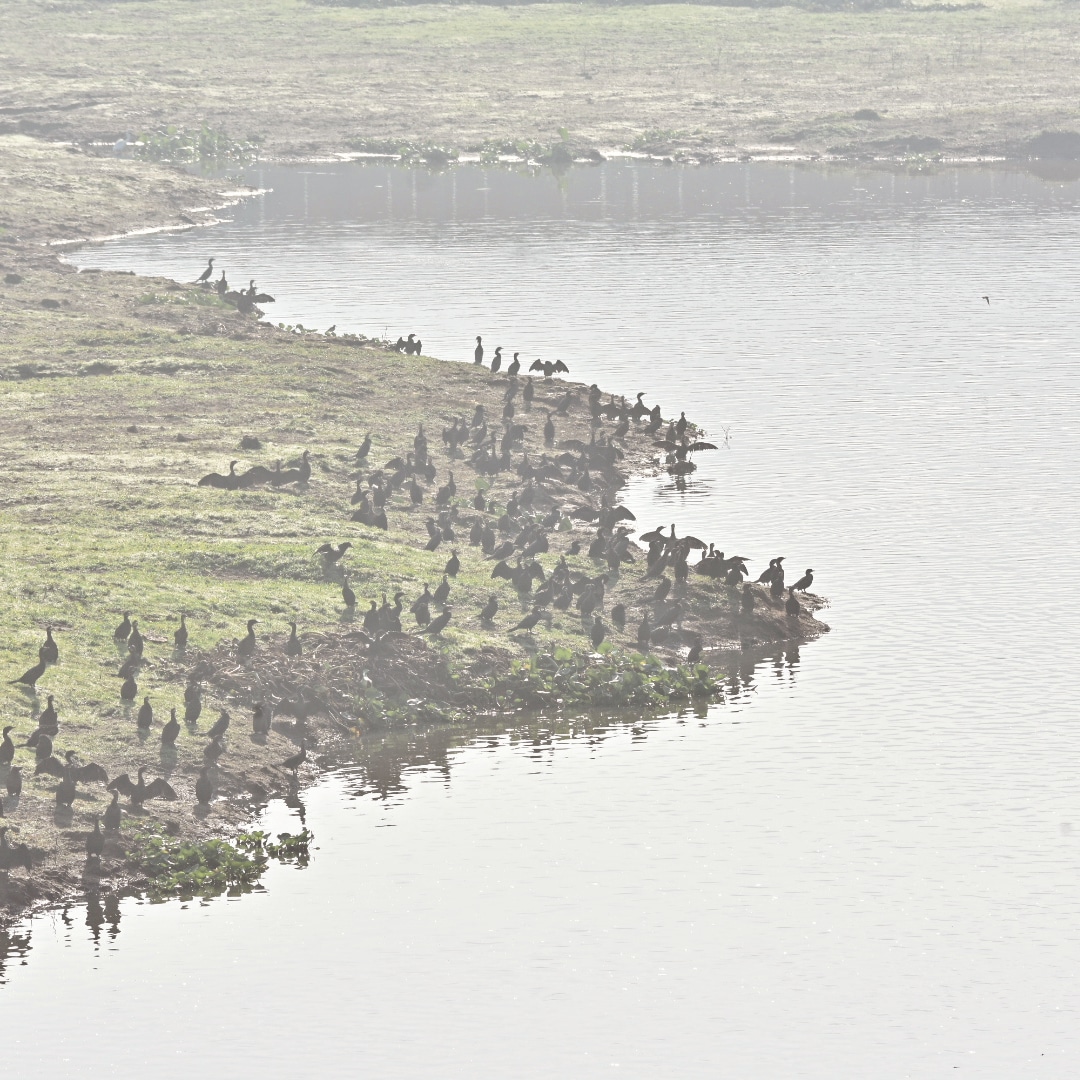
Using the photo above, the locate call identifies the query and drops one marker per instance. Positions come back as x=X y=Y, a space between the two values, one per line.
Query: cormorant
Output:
x=204 y=787
x=31 y=677
x=180 y=635
x=598 y=632
x=748 y=598
x=549 y=431
x=246 y=646
x=347 y=594
x=804 y=582
x=438 y=625
x=514 y=366
x=124 y=629
x=792 y=605
x=206 y=274
x=528 y=622
x=453 y=565
x=135 y=639
x=299 y=758
x=213 y=750
x=221 y=725
x=489 y=610
x=330 y=553
x=170 y=730
x=618 y=616
x=12 y=855
x=129 y=690
x=7 y=747
x=442 y=591
x=95 y=841
x=260 y=719
x=293 y=646
x=48 y=653
x=694 y=655
x=145 y=719
x=142 y=791
x=192 y=703
x=230 y=481
x=365 y=448
x=478 y=352
x=14 y=781
x=496 y=360
x=113 y=813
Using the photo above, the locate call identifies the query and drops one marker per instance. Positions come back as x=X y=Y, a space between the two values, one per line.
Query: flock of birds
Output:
x=71 y=772
x=244 y=300
x=510 y=536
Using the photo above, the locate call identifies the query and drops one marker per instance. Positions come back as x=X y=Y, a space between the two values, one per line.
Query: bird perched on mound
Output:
x=293 y=646
x=804 y=582
x=246 y=645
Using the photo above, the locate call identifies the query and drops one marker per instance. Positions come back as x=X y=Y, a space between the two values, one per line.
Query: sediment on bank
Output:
x=118 y=394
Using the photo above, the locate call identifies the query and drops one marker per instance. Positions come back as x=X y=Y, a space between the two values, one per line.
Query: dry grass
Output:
x=314 y=78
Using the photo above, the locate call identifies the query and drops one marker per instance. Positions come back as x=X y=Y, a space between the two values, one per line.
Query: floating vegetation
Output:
x=181 y=868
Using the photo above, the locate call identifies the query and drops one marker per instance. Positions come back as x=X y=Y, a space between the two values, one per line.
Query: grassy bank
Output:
x=118 y=393
x=305 y=78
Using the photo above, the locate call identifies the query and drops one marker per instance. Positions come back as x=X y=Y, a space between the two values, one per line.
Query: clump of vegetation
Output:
x=183 y=868
x=564 y=679
x=180 y=145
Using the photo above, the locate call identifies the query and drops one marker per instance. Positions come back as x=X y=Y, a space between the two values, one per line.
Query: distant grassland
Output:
x=310 y=78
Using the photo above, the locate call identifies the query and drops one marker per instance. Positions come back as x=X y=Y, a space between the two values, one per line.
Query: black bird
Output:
x=453 y=565
x=180 y=634
x=204 y=787
x=330 y=553
x=260 y=719
x=130 y=689
x=528 y=622
x=489 y=610
x=618 y=616
x=135 y=639
x=206 y=274
x=347 y=594
x=442 y=591
x=95 y=841
x=48 y=653
x=142 y=791
x=113 y=813
x=192 y=702
x=365 y=448
x=748 y=598
x=293 y=646
x=792 y=605
x=170 y=730
x=598 y=632
x=221 y=725
x=662 y=591
x=122 y=631
x=14 y=781
x=804 y=582
x=212 y=751
x=438 y=625
x=496 y=360
x=145 y=718
x=43 y=749
x=514 y=366
x=48 y=722
x=549 y=431
x=478 y=352
x=246 y=646
x=31 y=677
x=229 y=482
x=7 y=747
x=694 y=655
x=299 y=758
x=130 y=665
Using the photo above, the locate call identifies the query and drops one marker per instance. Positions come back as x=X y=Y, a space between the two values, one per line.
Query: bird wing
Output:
x=560 y=366
x=92 y=774
x=536 y=365
x=621 y=513
x=159 y=789
x=123 y=785
x=693 y=448
x=51 y=766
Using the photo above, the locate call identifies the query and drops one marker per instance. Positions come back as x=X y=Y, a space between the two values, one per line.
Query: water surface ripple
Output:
x=864 y=865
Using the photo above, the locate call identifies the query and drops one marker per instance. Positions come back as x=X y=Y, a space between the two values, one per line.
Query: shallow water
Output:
x=864 y=864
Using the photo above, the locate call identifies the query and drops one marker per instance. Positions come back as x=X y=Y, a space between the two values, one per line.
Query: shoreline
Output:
x=156 y=341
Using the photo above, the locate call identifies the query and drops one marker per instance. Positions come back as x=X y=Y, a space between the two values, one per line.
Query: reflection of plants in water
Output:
x=206 y=868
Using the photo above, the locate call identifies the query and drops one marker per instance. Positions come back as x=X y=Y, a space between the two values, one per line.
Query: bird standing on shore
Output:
x=206 y=274
x=478 y=352
x=804 y=582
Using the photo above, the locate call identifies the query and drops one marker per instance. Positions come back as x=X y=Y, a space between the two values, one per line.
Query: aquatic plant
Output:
x=207 y=868
x=185 y=145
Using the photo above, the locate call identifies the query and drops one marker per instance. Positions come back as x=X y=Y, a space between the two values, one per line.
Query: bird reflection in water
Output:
x=14 y=944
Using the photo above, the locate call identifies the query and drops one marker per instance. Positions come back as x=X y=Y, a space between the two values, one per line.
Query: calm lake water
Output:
x=864 y=864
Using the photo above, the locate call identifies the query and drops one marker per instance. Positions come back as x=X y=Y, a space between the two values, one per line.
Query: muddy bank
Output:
x=118 y=393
